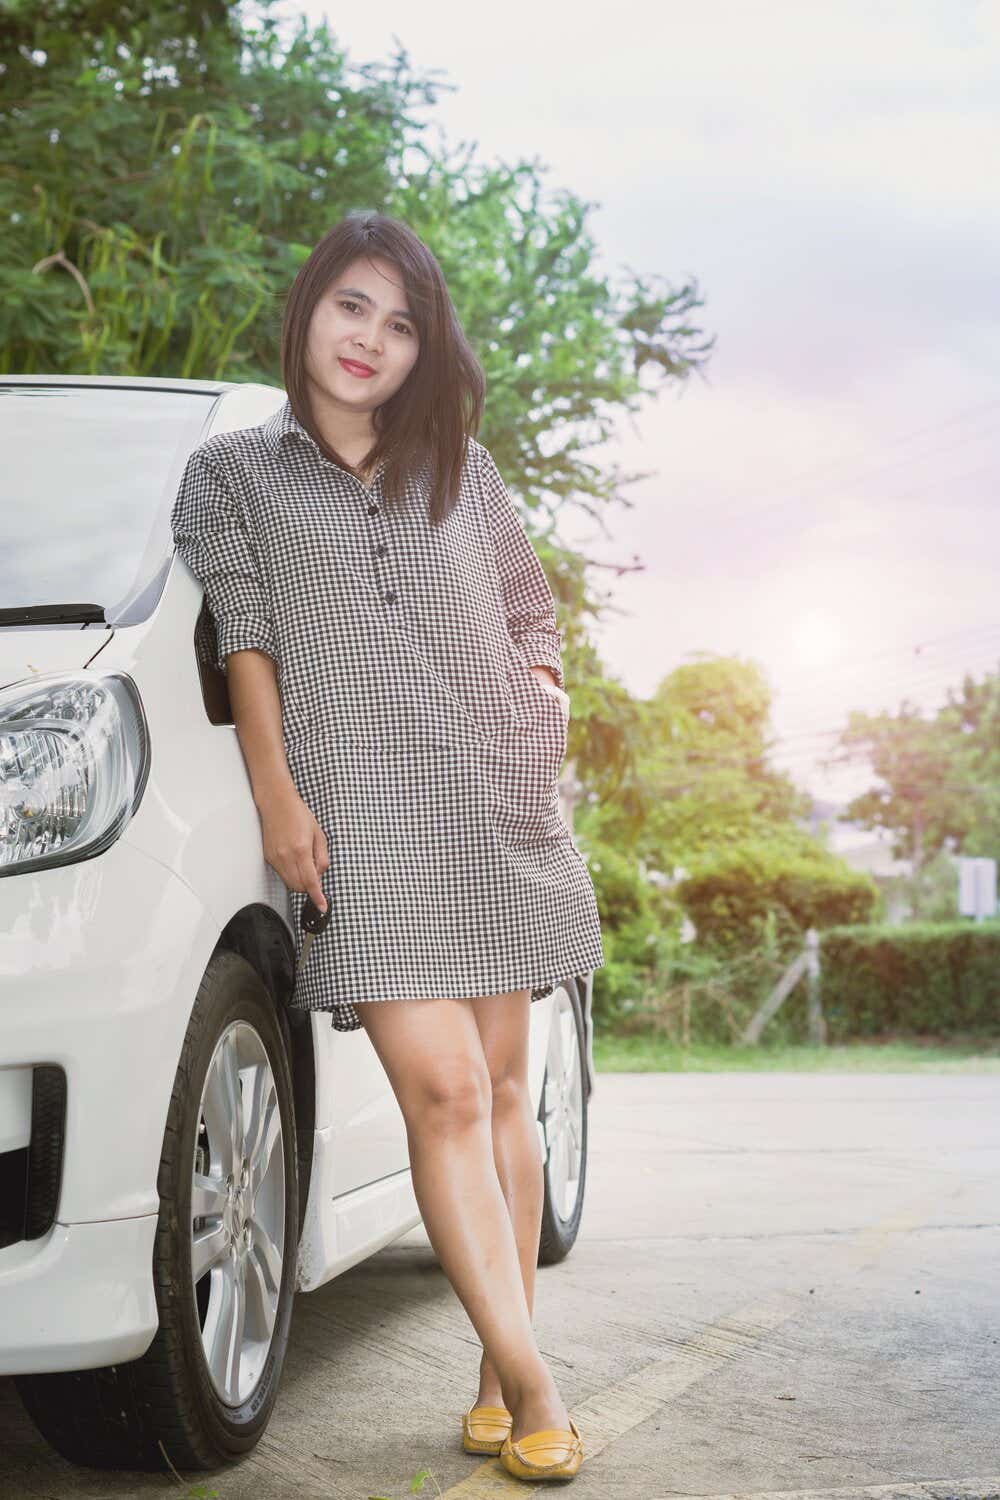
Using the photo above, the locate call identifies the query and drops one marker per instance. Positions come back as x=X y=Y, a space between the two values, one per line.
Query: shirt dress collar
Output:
x=278 y=426
x=283 y=422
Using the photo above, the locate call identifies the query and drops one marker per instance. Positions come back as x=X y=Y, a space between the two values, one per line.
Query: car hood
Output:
x=27 y=653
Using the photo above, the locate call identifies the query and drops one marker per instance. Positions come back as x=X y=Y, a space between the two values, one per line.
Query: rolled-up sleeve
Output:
x=211 y=534
x=528 y=600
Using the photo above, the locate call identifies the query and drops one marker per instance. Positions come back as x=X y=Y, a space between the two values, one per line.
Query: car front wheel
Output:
x=224 y=1261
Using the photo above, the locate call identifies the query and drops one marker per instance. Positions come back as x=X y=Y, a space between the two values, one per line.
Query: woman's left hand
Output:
x=546 y=680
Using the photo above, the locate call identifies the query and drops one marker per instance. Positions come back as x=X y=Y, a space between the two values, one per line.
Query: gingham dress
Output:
x=414 y=729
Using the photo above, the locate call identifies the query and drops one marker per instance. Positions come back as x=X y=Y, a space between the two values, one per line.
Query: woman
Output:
x=396 y=682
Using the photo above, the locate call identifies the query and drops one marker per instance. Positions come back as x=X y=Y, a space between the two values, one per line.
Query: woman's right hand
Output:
x=294 y=843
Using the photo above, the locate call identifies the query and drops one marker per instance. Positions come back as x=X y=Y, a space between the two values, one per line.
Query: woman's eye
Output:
x=353 y=306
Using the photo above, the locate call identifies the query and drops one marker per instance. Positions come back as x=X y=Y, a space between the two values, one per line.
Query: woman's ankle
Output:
x=534 y=1387
x=538 y=1410
x=490 y=1389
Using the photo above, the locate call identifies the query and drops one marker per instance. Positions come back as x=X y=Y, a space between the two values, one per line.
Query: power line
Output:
x=915 y=695
x=751 y=510
x=846 y=668
x=823 y=469
x=928 y=695
x=812 y=516
x=800 y=743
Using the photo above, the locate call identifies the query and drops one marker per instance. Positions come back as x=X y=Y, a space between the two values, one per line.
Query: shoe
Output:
x=552 y=1453
x=484 y=1428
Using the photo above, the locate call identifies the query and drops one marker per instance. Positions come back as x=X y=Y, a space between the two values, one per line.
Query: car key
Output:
x=313 y=922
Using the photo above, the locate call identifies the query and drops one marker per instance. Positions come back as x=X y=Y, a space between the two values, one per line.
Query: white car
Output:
x=179 y=1151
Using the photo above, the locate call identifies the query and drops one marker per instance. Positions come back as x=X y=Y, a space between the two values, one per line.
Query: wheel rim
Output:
x=563 y=1108
x=237 y=1212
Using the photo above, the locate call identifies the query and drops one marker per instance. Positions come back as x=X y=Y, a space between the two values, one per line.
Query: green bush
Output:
x=691 y=995
x=639 y=924
x=922 y=979
x=731 y=897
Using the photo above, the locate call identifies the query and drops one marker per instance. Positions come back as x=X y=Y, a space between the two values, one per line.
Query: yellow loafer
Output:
x=484 y=1428
x=552 y=1453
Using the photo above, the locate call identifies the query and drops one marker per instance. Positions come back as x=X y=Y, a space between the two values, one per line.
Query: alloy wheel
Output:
x=237 y=1212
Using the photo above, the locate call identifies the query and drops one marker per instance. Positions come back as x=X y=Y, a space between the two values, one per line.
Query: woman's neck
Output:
x=348 y=433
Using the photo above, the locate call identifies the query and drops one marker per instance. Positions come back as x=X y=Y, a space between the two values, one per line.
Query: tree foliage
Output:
x=733 y=893
x=705 y=764
x=164 y=170
x=938 y=784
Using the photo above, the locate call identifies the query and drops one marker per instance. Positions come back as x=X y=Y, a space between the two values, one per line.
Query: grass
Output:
x=652 y=1053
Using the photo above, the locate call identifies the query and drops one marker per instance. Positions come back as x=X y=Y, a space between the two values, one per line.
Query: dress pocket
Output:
x=551 y=723
x=532 y=701
x=527 y=762
x=559 y=694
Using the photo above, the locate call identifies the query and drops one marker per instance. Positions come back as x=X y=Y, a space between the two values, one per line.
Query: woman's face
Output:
x=361 y=323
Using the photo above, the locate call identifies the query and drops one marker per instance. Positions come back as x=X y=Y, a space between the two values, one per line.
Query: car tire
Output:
x=184 y=1403
x=562 y=1111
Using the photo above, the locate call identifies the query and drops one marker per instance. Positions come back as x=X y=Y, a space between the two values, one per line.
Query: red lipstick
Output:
x=355 y=367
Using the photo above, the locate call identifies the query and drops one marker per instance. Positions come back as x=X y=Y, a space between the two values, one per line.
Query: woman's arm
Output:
x=528 y=601
x=211 y=535
x=294 y=843
x=256 y=705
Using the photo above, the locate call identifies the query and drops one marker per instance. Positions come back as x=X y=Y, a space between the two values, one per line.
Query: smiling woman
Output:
x=396 y=681
x=376 y=365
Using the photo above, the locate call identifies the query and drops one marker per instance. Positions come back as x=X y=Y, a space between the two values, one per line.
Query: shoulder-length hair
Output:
x=440 y=403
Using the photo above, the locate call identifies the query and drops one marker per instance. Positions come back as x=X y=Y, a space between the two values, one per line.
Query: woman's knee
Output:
x=508 y=1088
x=450 y=1098
x=433 y=1055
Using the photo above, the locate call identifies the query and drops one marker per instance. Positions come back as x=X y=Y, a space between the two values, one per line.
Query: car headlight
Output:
x=74 y=759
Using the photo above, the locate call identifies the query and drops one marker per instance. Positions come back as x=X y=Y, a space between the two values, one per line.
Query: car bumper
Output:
x=79 y=1297
x=100 y=962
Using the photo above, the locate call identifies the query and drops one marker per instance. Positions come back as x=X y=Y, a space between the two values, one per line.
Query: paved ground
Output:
x=784 y=1284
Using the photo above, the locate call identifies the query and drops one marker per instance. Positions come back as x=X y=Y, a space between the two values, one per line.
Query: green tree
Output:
x=164 y=171
x=971 y=718
x=938 y=775
x=706 y=764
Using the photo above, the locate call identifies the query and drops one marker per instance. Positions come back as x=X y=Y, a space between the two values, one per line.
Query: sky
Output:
x=825 y=501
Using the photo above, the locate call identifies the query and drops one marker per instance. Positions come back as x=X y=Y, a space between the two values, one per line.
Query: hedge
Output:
x=922 y=979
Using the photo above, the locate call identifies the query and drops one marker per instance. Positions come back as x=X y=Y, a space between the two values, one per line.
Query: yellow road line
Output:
x=610 y=1413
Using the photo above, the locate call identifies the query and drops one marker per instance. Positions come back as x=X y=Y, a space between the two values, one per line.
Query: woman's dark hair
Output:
x=440 y=402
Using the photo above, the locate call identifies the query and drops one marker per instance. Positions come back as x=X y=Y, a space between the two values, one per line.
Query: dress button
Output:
x=390 y=598
x=373 y=510
x=381 y=549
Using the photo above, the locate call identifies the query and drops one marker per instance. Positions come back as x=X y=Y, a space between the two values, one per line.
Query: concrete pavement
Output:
x=785 y=1284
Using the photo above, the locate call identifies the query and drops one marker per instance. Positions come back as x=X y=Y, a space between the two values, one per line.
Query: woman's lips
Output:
x=353 y=368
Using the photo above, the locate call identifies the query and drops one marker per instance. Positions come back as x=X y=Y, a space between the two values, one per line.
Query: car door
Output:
x=355 y=1103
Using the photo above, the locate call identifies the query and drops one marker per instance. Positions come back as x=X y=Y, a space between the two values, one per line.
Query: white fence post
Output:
x=806 y=963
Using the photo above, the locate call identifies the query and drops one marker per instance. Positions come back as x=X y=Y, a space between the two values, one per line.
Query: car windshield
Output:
x=89 y=474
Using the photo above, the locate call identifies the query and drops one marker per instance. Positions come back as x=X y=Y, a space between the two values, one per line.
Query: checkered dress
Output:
x=414 y=729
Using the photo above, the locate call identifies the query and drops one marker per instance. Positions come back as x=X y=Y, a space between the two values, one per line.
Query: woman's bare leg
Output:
x=433 y=1056
x=504 y=1027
